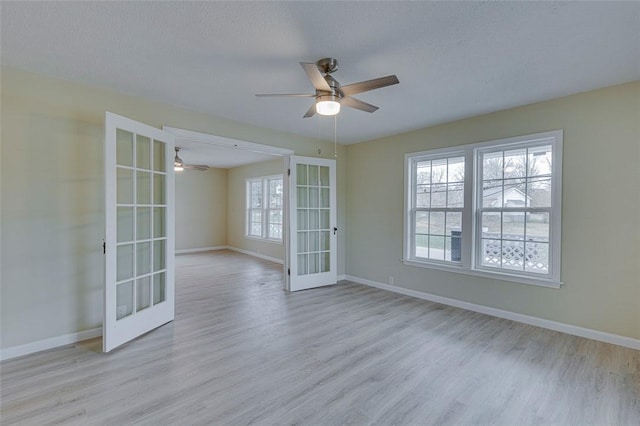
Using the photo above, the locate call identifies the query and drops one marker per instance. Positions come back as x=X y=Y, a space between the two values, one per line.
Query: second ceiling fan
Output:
x=330 y=95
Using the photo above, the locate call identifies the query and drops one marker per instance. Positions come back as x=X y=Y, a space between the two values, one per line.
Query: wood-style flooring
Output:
x=242 y=351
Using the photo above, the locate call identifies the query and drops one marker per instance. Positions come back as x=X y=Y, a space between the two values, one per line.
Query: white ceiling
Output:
x=453 y=59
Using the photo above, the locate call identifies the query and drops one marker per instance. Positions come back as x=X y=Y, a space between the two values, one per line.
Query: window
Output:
x=437 y=203
x=264 y=208
x=489 y=209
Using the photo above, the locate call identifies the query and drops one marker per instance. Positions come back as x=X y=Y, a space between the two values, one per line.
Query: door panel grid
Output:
x=140 y=254
x=313 y=251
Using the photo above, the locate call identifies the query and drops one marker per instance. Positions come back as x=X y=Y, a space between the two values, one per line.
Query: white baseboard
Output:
x=255 y=254
x=526 y=319
x=51 y=343
x=201 y=249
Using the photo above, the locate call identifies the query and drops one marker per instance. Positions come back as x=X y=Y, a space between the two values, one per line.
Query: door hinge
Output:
x=289 y=271
x=104 y=247
x=288 y=172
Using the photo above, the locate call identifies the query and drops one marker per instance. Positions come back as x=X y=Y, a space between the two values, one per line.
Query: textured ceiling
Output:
x=453 y=59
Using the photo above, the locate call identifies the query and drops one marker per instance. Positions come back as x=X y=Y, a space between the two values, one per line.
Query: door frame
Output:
x=241 y=145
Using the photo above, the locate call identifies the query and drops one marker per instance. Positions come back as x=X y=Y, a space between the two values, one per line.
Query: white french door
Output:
x=139 y=238
x=312 y=252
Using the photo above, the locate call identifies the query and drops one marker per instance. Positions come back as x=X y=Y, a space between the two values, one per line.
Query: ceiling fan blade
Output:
x=299 y=95
x=365 y=86
x=201 y=167
x=315 y=76
x=358 y=104
x=311 y=111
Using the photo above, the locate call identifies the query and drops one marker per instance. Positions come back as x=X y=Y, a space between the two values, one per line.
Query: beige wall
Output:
x=236 y=205
x=601 y=211
x=201 y=209
x=52 y=220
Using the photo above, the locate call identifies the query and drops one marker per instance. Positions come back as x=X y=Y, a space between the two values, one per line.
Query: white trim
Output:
x=226 y=142
x=200 y=249
x=496 y=275
x=255 y=254
x=50 y=343
x=588 y=333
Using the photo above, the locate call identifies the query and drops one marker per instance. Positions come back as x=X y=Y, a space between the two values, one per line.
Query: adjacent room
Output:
x=394 y=212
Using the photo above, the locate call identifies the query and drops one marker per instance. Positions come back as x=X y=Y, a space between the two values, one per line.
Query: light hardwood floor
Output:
x=242 y=351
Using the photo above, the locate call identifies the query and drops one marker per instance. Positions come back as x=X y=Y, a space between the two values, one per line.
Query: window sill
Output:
x=541 y=282
x=264 y=240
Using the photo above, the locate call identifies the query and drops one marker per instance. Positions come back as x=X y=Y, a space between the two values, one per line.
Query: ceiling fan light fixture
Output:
x=328 y=105
x=177 y=162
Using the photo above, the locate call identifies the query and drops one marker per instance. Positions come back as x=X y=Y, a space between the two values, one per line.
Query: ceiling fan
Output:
x=330 y=95
x=178 y=164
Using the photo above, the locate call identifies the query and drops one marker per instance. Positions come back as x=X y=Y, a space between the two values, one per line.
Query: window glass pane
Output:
x=325 y=265
x=436 y=223
x=538 y=227
x=324 y=219
x=159 y=188
x=301 y=174
x=515 y=163
x=539 y=192
x=314 y=263
x=454 y=247
x=454 y=224
x=422 y=222
x=324 y=176
x=303 y=241
x=158 y=156
x=325 y=238
x=325 y=201
x=423 y=196
x=143 y=224
x=143 y=293
x=492 y=193
x=422 y=245
x=125 y=262
x=124 y=186
x=303 y=219
x=455 y=195
x=439 y=171
x=124 y=148
x=423 y=172
x=159 y=289
x=491 y=225
x=436 y=247
x=275 y=193
x=302 y=196
x=124 y=299
x=143 y=187
x=314 y=241
x=314 y=197
x=159 y=222
x=439 y=195
x=537 y=257
x=313 y=176
x=491 y=253
x=456 y=169
x=492 y=166
x=513 y=226
x=539 y=160
x=513 y=255
x=302 y=264
x=143 y=152
x=514 y=193
x=143 y=258
x=314 y=219
x=159 y=255
x=124 y=224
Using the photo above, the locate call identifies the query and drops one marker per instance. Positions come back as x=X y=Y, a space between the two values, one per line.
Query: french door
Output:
x=139 y=238
x=312 y=250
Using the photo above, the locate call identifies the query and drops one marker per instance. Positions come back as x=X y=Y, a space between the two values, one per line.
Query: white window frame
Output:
x=471 y=231
x=264 y=208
